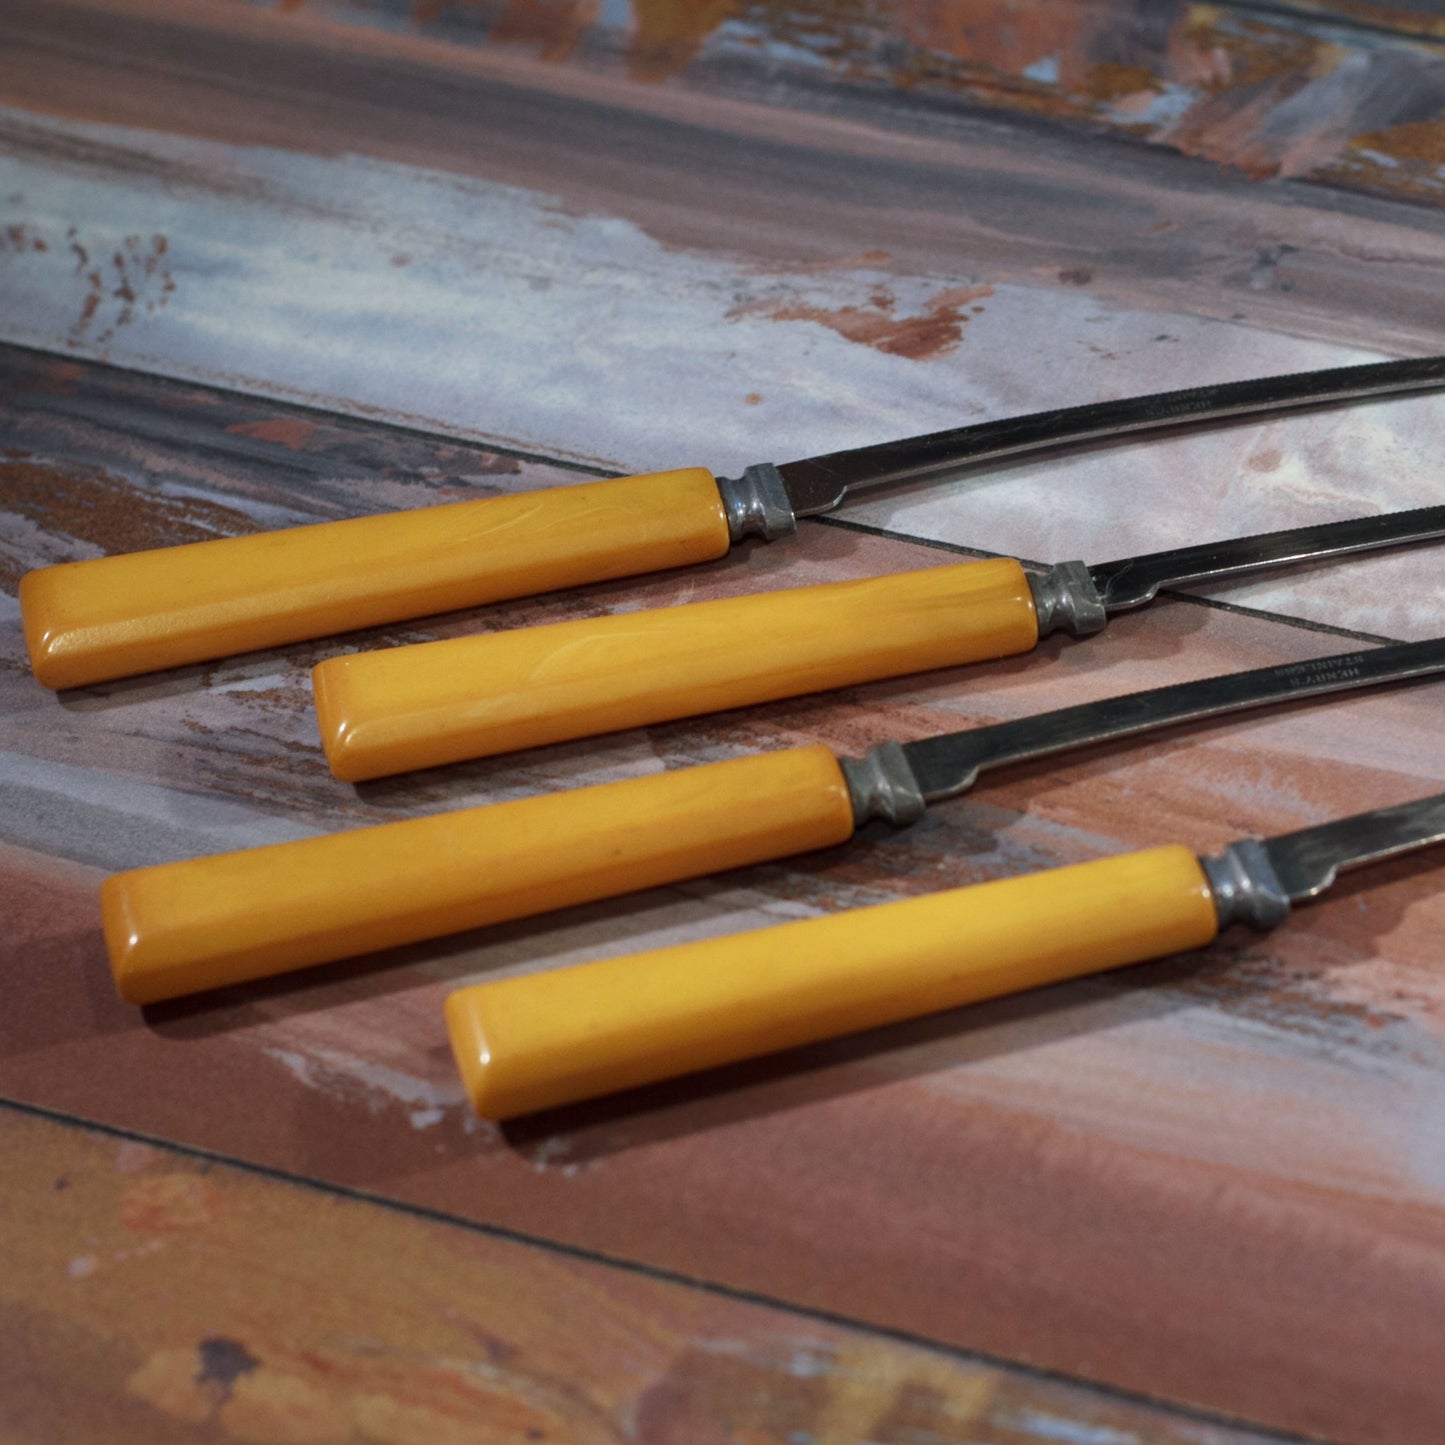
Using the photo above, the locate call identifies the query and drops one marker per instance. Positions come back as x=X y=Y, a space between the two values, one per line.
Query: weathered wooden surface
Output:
x=1340 y=93
x=723 y=298
x=1092 y=1180
x=1219 y=1180
x=164 y=1297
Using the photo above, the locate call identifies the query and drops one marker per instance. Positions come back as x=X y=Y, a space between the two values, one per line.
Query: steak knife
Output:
x=178 y=928
x=401 y=708
x=540 y=1040
x=110 y=617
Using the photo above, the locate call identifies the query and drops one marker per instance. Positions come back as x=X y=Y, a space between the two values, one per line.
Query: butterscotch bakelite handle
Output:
x=416 y=707
x=541 y=1040
x=88 y=622
x=179 y=928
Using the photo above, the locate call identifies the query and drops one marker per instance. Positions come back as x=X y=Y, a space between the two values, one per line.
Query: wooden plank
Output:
x=957 y=195
x=760 y=258
x=1345 y=94
x=635 y=354
x=1094 y=1180
x=154 y=1296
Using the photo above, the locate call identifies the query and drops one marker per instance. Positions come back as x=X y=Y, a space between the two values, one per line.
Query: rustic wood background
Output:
x=263 y=264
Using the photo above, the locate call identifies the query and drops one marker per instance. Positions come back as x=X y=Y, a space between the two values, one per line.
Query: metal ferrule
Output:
x=1065 y=598
x=1245 y=886
x=882 y=785
x=757 y=504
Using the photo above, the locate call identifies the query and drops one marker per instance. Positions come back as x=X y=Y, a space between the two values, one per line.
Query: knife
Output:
x=91 y=621
x=178 y=928
x=400 y=708
x=541 y=1040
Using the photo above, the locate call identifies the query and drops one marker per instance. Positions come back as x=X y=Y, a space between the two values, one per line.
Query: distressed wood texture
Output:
x=164 y=1297
x=1337 y=92
x=343 y=260
x=1093 y=1180
x=737 y=290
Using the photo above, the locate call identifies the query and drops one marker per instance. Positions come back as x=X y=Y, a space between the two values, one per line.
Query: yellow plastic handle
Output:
x=415 y=707
x=87 y=622
x=541 y=1040
x=182 y=927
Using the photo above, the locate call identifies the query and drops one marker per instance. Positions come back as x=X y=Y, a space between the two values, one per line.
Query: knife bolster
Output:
x=1246 y=887
x=1066 y=599
x=881 y=784
x=757 y=504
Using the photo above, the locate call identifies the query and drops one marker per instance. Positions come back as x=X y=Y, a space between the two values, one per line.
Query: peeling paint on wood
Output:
x=1266 y=92
x=639 y=356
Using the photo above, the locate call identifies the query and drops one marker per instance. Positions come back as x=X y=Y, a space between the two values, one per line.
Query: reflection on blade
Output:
x=1306 y=862
x=947 y=765
x=1135 y=580
x=818 y=484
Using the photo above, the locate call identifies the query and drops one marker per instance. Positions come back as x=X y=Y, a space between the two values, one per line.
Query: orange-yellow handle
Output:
x=541 y=1040
x=182 y=927
x=416 y=707
x=86 y=622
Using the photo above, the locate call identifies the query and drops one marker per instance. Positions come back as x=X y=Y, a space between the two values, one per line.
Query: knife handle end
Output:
x=179 y=928
x=401 y=708
x=110 y=617
x=542 y=1040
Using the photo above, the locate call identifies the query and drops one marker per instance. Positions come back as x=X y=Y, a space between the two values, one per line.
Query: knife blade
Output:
x=178 y=928
x=91 y=621
x=402 y=708
x=541 y=1040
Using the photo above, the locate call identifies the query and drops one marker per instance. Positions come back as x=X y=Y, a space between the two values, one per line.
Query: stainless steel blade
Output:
x=1307 y=862
x=1255 y=882
x=1135 y=580
x=895 y=781
x=819 y=484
